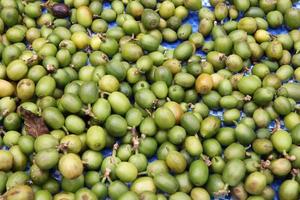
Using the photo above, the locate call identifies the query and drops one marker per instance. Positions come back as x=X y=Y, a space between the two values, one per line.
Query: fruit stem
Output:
x=277 y=126
x=89 y=32
x=88 y=111
x=106 y=175
x=66 y=130
x=48 y=4
x=102 y=36
x=149 y=112
x=206 y=159
x=32 y=59
x=63 y=147
x=50 y=68
x=222 y=192
x=135 y=142
x=143 y=173
x=115 y=148
x=295 y=172
x=103 y=94
x=154 y=104
x=265 y=164
x=247 y=98
x=4 y=113
x=287 y=156
x=2 y=131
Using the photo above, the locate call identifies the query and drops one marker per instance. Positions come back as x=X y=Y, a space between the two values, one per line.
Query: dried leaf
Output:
x=34 y=124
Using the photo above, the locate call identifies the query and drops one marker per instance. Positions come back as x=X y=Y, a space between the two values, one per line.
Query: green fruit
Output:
x=242 y=5
x=143 y=184
x=119 y=102
x=84 y=16
x=85 y=193
x=176 y=161
x=92 y=159
x=9 y=16
x=96 y=138
x=176 y=135
x=131 y=171
x=46 y=159
x=295 y=134
x=131 y=52
x=281 y=167
x=282 y=105
x=100 y=190
x=212 y=147
x=70 y=166
x=16 y=70
x=200 y=193
x=193 y=145
x=289 y=190
x=37 y=175
x=209 y=126
x=20 y=192
x=7 y=89
x=247 y=24
x=116 y=189
x=53 y=117
x=72 y=143
x=164 y=118
x=45 y=86
x=249 y=84
x=198 y=172
x=166 y=183
x=145 y=98
x=140 y=161
x=290 y=16
x=234 y=172
x=72 y=185
x=45 y=141
x=116 y=125
x=234 y=151
x=281 y=140
x=184 y=51
x=6 y=160
x=43 y=194
x=101 y=109
x=255 y=183
x=19 y=159
x=71 y=103
x=214 y=184
x=180 y=195
x=88 y=92
x=262 y=146
x=274 y=50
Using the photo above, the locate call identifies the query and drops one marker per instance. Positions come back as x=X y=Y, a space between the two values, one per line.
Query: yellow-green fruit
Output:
x=70 y=166
x=6 y=88
x=108 y=83
x=84 y=16
x=204 y=83
x=25 y=89
x=81 y=39
x=19 y=192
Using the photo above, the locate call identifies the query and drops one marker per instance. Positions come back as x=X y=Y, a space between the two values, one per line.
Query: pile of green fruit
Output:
x=72 y=86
